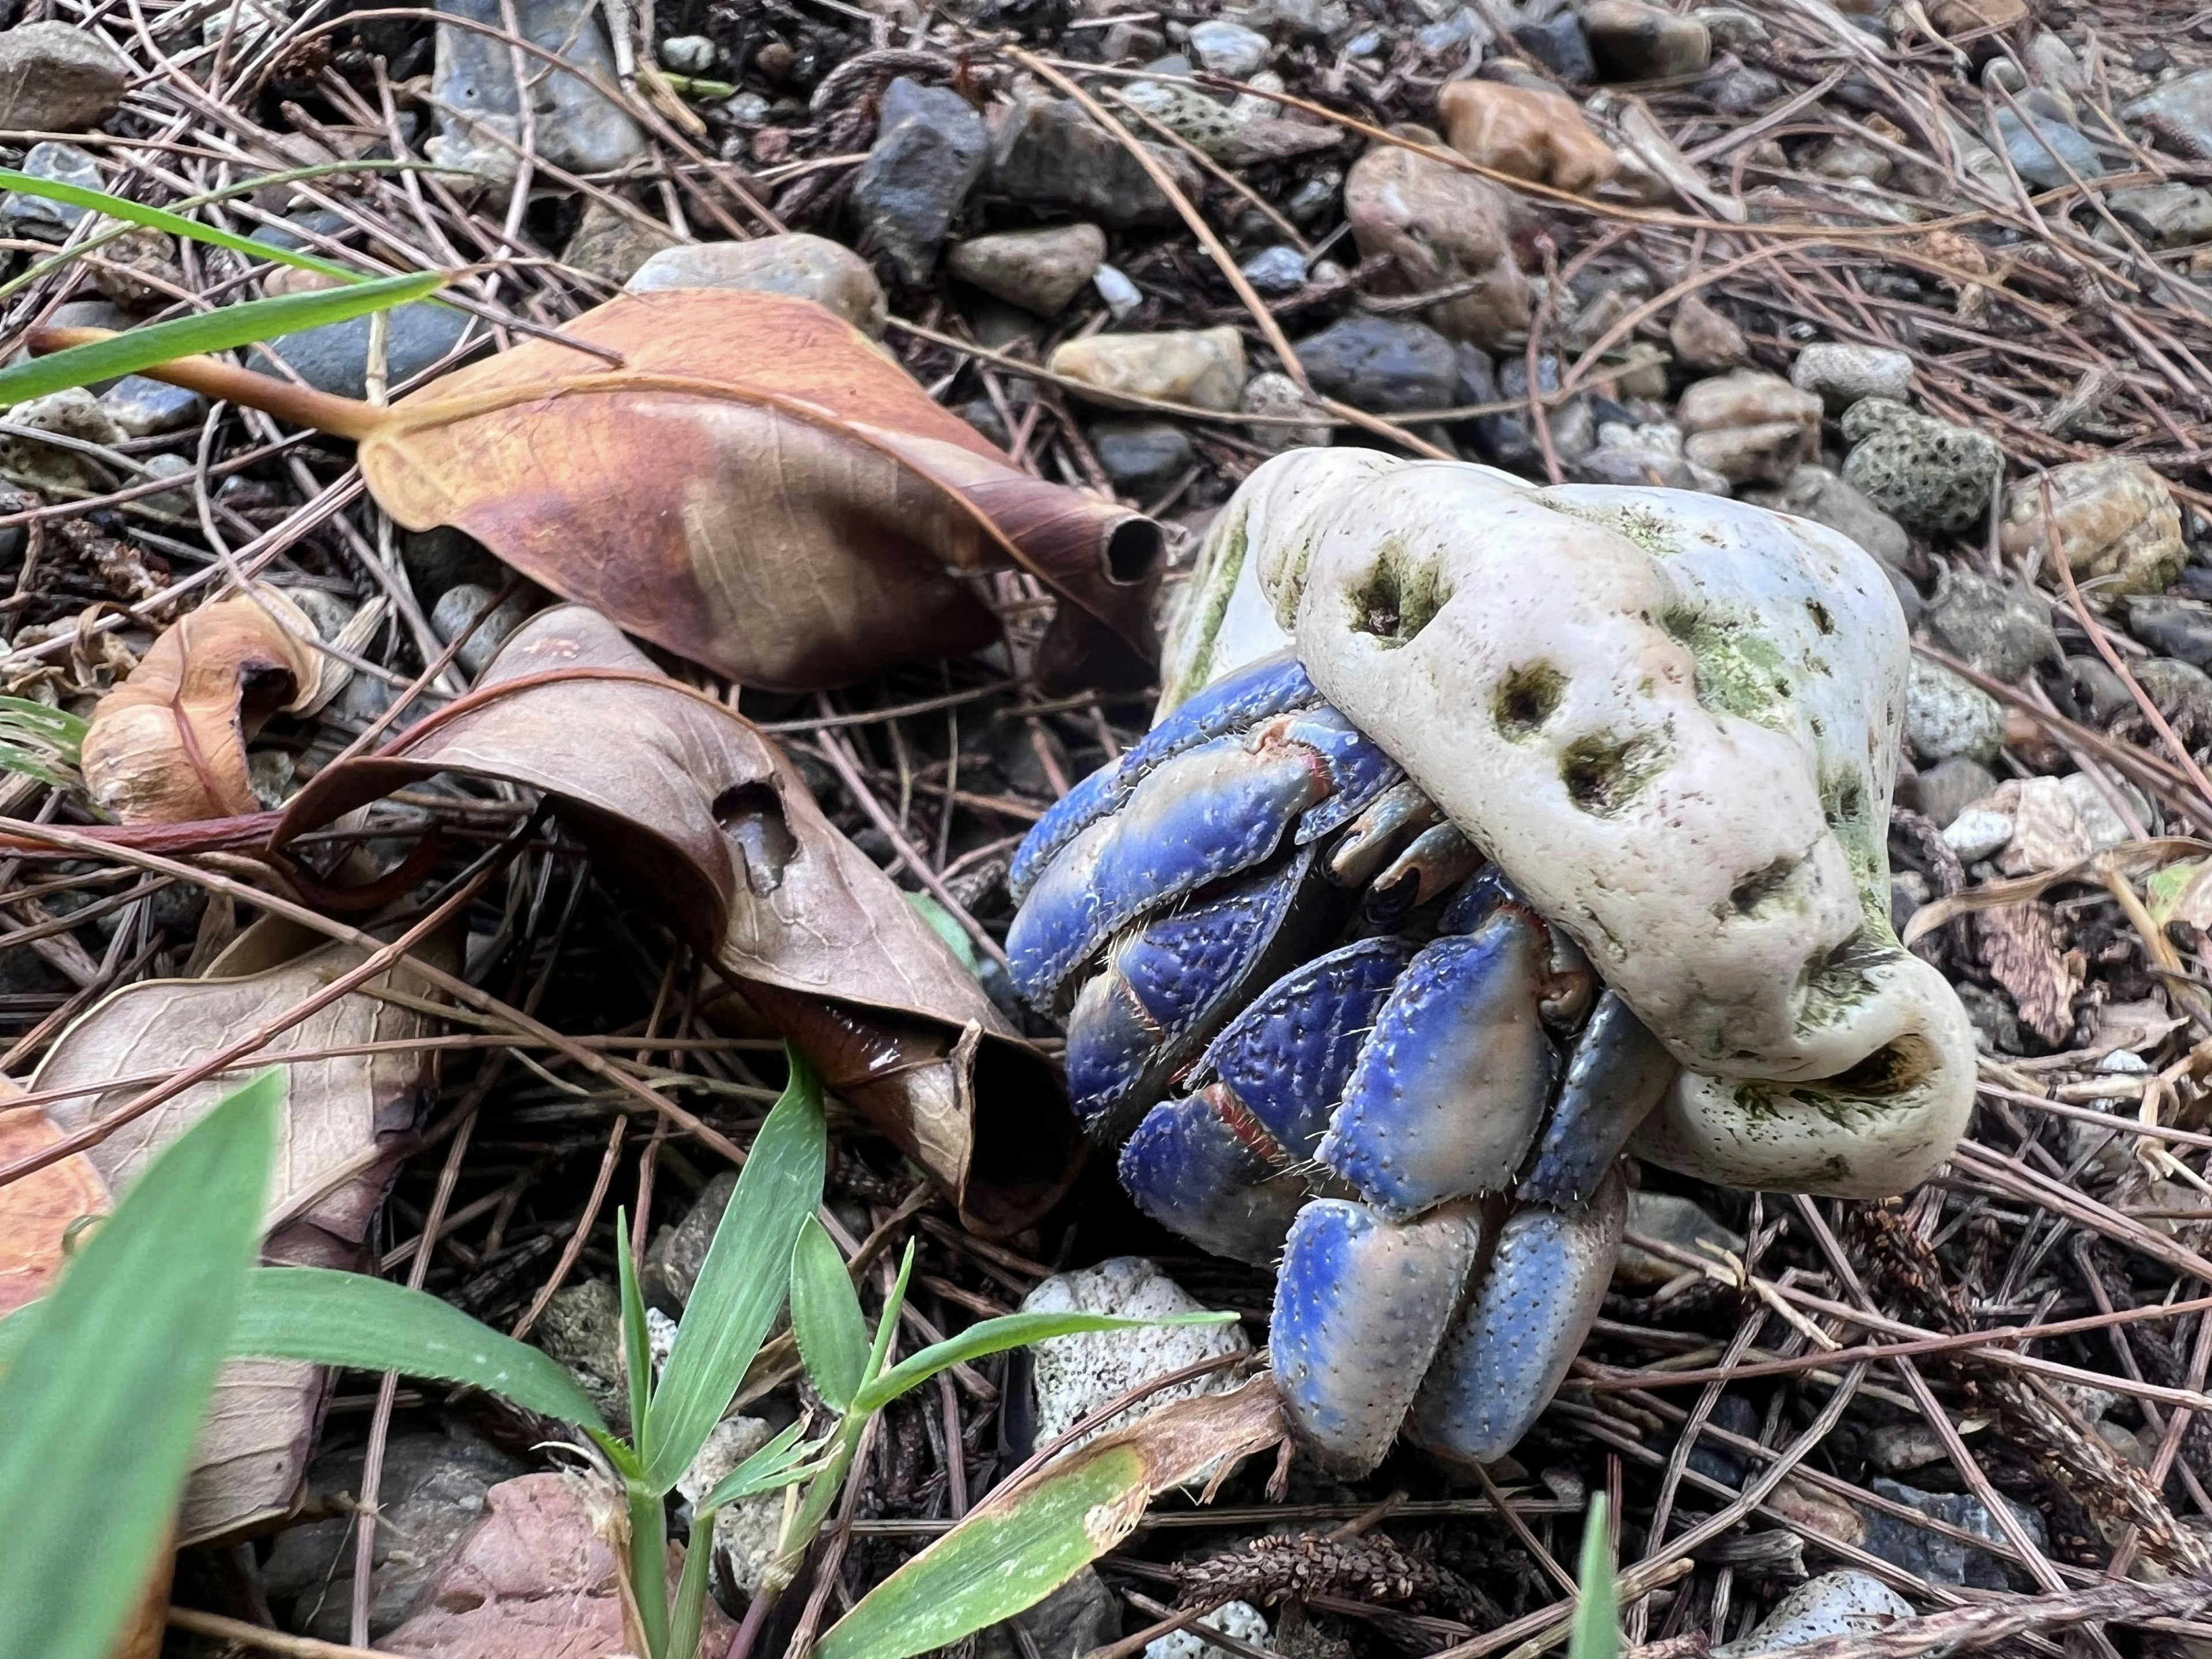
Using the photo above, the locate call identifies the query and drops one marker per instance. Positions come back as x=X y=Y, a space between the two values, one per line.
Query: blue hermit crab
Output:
x=1489 y=831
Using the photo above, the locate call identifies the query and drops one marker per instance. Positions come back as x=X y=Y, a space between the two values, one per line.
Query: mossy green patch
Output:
x=1741 y=670
x=1605 y=776
x=1402 y=594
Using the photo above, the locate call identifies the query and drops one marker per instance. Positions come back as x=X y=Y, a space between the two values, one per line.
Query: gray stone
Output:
x=1315 y=197
x=2166 y=215
x=582 y=1327
x=1075 y=1374
x=1647 y=455
x=1840 y=375
x=143 y=408
x=1927 y=474
x=1082 y=1614
x=1999 y=626
x=2039 y=145
x=797 y=263
x=473 y=87
x=2098 y=689
x=1816 y=492
x=747 y=109
x=1240 y=1620
x=177 y=503
x=2182 y=691
x=1229 y=49
x=1121 y=296
x=746 y=1532
x=1978 y=833
x=689 y=54
x=2180 y=112
x=34 y=215
x=2172 y=627
x=334 y=358
x=138 y=270
x=1670 y=1218
x=1893 y=1447
x=1945 y=715
x=1951 y=785
x=1278 y=394
x=436 y=560
x=1703 y=339
x=677 y=1254
x=1206 y=122
x=1040 y=270
x=1937 y=1559
x=1633 y=42
x=1384 y=364
x=930 y=148
x=1855 y=1604
x=1561 y=46
x=1278 y=269
x=457 y=608
x=1733 y=88
x=611 y=244
x=1047 y=153
x=58 y=77
x=73 y=412
x=983 y=415
x=1142 y=457
x=431 y=1491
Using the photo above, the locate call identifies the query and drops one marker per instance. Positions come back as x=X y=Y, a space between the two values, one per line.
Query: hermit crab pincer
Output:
x=1489 y=831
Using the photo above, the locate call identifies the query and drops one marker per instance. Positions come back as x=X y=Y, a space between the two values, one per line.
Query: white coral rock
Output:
x=1672 y=720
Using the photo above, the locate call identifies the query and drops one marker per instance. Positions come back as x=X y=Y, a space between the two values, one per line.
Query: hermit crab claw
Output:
x=1672 y=719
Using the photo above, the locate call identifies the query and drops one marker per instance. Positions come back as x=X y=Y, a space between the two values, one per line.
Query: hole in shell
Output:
x=1527 y=696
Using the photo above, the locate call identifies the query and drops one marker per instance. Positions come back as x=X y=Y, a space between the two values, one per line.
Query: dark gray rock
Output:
x=1507 y=438
x=458 y=607
x=1816 y=492
x=2172 y=627
x=58 y=77
x=983 y=415
x=1733 y=88
x=2173 y=215
x=436 y=560
x=2099 y=693
x=1279 y=270
x=145 y=408
x=2178 y=115
x=2039 y=144
x=1735 y=1413
x=1384 y=364
x=673 y=1262
x=334 y=358
x=1939 y=1559
x=2181 y=691
x=1047 y=153
x=1999 y=626
x=431 y=1491
x=292 y=232
x=931 y=145
x=34 y=215
x=1949 y=786
x=1561 y=46
x=1315 y=198
x=1633 y=42
x=1080 y=1616
x=473 y=86
x=1142 y=457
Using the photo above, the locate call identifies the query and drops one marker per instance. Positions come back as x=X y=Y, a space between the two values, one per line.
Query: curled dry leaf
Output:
x=697 y=812
x=37 y=1212
x=760 y=489
x=169 y=744
x=344 y=1119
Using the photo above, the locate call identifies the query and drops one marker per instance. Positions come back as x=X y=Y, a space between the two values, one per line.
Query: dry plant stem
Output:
x=575 y=1245
x=241 y=1634
x=1962 y=1629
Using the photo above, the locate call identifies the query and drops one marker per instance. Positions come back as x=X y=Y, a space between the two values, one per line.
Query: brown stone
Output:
x=1703 y=338
x=1956 y=17
x=1529 y=132
x=1439 y=227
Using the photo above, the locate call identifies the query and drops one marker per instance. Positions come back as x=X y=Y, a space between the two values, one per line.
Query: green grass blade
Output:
x=56 y=725
x=742 y=1284
x=991 y=1565
x=991 y=1336
x=15 y=758
x=637 y=1343
x=778 y=1463
x=690 y=1610
x=154 y=218
x=826 y=1317
x=1597 y=1632
x=103 y=1406
x=368 y=1324
x=887 y=1322
x=219 y=330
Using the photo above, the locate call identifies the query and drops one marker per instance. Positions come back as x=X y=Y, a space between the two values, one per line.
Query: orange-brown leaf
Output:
x=37 y=1211
x=169 y=744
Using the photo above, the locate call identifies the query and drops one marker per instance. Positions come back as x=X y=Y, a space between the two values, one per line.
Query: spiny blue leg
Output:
x=1618 y=1074
x=1451 y=1087
x=1506 y=1353
x=1361 y=1304
x=1228 y=1166
x=1274 y=685
x=1168 y=984
x=1202 y=817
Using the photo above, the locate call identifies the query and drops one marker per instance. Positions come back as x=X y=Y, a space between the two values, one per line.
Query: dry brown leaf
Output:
x=37 y=1212
x=540 y=1576
x=695 y=810
x=169 y=744
x=761 y=489
x=344 y=1121
x=2019 y=945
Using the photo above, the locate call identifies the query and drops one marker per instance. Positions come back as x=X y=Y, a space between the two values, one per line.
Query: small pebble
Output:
x=457 y=607
x=1279 y=270
x=688 y=54
x=1854 y=1604
x=1977 y=834
x=1944 y=715
x=1229 y=49
x=1840 y=375
x=1120 y=293
x=1074 y=1375
x=1239 y=1618
x=1202 y=367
